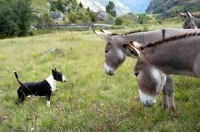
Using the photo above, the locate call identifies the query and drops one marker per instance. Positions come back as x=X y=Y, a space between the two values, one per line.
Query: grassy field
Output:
x=90 y=100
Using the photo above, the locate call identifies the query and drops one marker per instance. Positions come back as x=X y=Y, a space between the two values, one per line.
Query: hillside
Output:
x=168 y=8
x=100 y=5
x=137 y=6
x=94 y=5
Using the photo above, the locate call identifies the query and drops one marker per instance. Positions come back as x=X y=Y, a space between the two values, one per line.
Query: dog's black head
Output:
x=58 y=76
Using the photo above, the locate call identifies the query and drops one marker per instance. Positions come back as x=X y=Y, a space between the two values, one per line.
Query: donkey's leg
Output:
x=196 y=66
x=164 y=97
x=169 y=88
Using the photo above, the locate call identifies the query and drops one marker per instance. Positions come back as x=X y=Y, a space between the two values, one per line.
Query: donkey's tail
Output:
x=16 y=76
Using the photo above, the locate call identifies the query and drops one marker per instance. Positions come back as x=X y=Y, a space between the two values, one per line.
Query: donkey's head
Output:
x=189 y=20
x=114 y=51
x=150 y=80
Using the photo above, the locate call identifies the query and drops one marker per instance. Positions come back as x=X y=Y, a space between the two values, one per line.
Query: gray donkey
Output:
x=190 y=21
x=115 y=54
x=179 y=55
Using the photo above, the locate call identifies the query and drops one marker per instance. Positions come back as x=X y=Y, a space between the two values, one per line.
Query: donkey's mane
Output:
x=173 y=38
x=131 y=32
x=127 y=33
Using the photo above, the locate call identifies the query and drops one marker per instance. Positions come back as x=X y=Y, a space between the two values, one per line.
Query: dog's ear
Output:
x=55 y=69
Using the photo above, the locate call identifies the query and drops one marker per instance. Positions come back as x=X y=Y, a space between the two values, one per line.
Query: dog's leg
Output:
x=17 y=100
x=20 y=98
x=48 y=103
x=48 y=100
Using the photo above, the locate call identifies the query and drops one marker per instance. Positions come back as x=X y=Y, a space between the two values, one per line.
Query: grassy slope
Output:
x=40 y=5
x=90 y=100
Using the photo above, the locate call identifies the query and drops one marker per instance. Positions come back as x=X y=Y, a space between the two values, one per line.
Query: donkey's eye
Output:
x=132 y=52
x=106 y=51
x=136 y=73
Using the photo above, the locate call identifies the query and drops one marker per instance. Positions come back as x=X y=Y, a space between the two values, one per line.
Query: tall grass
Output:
x=90 y=100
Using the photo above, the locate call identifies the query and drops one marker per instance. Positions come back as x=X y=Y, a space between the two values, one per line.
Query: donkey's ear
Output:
x=132 y=50
x=103 y=35
x=188 y=15
x=182 y=15
x=137 y=45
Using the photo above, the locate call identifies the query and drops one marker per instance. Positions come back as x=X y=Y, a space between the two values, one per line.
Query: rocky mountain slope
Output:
x=100 y=5
x=168 y=8
x=137 y=6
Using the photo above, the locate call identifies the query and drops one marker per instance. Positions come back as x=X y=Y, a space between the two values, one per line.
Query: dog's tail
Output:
x=16 y=76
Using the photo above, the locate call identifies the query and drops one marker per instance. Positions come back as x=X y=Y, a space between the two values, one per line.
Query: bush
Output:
x=118 y=21
x=46 y=22
x=72 y=17
x=92 y=15
x=86 y=19
x=159 y=21
x=145 y=28
x=127 y=21
x=143 y=19
x=109 y=20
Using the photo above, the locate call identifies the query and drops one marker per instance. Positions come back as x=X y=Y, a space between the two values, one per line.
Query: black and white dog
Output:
x=43 y=88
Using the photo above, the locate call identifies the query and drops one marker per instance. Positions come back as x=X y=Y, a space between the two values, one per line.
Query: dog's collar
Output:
x=52 y=82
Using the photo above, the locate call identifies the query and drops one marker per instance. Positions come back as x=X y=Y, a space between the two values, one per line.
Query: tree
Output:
x=113 y=13
x=80 y=5
x=88 y=9
x=18 y=18
x=110 y=7
x=60 y=5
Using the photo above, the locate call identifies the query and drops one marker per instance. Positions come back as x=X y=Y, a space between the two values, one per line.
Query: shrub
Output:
x=92 y=15
x=127 y=21
x=145 y=28
x=72 y=17
x=86 y=19
x=143 y=19
x=109 y=20
x=47 y=22
x=118 y=21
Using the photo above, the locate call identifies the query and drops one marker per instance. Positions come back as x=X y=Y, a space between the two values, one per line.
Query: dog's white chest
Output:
x=52 y=82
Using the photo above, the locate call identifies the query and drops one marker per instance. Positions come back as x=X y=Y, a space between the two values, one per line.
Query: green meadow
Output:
x=90 y=100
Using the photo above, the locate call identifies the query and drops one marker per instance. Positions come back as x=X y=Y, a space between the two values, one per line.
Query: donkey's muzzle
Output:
x=110 y=71
x=149 y=103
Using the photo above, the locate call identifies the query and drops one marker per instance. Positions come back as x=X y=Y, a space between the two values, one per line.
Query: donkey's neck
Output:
x=52 y=82
x=175 y=56
x=197 y=22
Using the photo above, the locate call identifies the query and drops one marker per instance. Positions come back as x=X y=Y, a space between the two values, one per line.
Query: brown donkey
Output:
x=179 y=55
x=115 y=54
